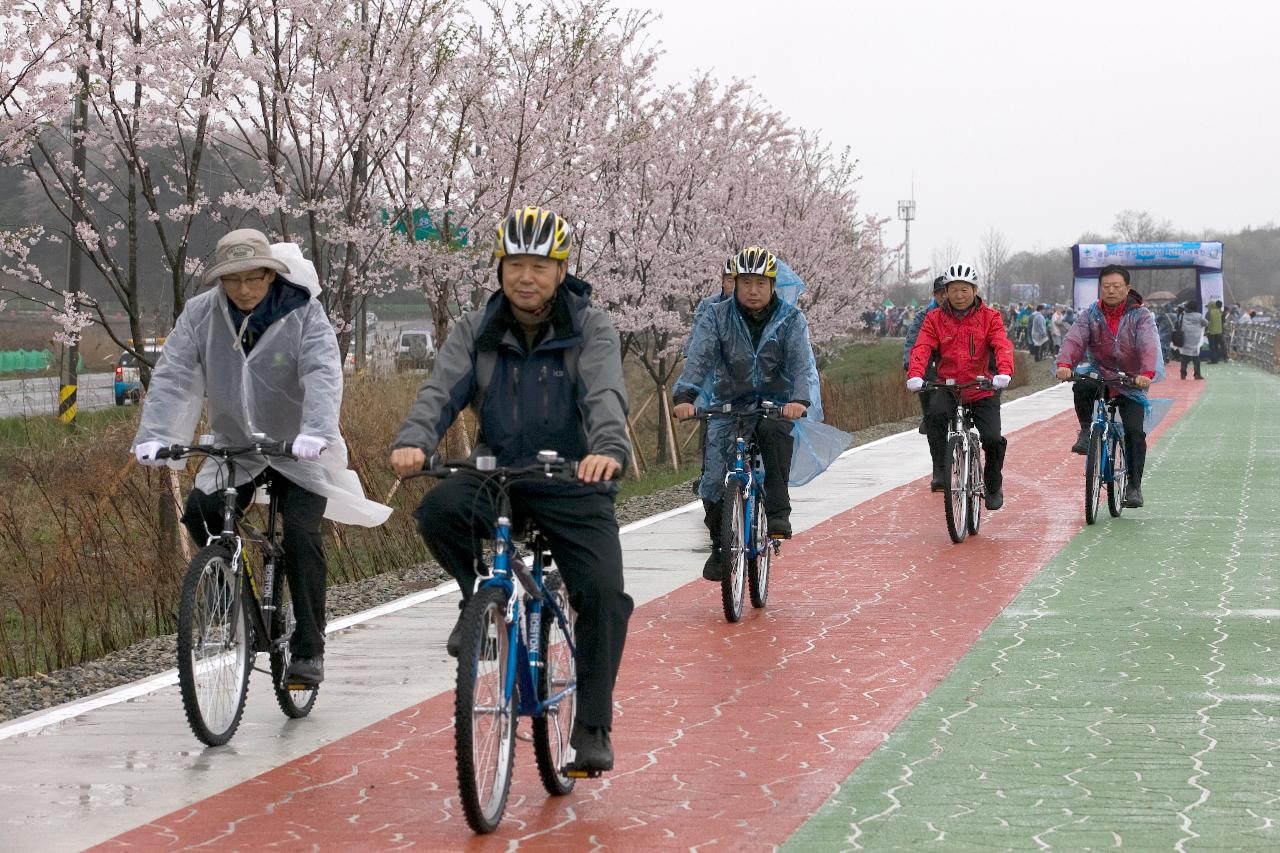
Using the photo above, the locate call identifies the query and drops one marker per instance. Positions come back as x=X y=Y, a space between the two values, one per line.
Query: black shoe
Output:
x=995 y=499
x=939 y=481
x=1133 y=496
x=780 y=527
x=713 y=568
x=453 y=645
x=593 y=751
x=1082 y=443
x=305 y=671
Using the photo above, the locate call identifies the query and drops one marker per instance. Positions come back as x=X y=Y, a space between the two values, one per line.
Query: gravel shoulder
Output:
x=20 y=696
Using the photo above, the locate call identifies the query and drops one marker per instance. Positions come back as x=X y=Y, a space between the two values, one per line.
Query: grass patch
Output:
x=45 y=432
x=657 y=480
x=863 y=360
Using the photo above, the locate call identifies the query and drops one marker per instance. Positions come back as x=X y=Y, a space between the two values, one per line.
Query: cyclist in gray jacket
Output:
x=542 y=370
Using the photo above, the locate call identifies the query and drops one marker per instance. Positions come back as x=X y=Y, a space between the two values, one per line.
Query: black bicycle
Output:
x=744 y=528
x=964 y=488
x=517 y=657
x=235 y=603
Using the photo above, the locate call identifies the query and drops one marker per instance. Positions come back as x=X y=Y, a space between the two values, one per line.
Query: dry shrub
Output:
x=93 y=561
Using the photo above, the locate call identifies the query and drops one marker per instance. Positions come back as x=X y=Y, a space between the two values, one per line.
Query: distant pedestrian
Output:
x=1217 y=352
x=1192 y=325
x=1039 y=333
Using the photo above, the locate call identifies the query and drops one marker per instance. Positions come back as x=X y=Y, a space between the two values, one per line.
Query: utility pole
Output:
x=907 y=212
x=79 y=126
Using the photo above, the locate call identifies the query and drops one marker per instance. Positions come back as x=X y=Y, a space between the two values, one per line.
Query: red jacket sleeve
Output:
x=999 y=341
x=926 y=343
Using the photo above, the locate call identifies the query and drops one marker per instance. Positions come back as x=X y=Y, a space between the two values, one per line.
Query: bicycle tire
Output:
x=733 y=546
x=977 y=491
x=214 y=652
x=551 y=730
x=484 y=742
x=758 y=566
x=294 y=703
x=1093 y=476
x=955 y=496
x=1119 y=479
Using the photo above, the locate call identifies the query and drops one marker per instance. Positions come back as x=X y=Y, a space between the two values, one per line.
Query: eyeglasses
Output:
x=247 y=281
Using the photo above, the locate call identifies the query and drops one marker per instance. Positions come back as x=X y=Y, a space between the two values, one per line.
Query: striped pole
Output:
x=67 y=404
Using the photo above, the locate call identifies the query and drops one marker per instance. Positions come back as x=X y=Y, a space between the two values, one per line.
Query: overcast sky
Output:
x=1041 y=119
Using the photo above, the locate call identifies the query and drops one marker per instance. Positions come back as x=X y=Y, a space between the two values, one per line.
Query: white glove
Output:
x=915 y=383
x=146 y=453
x=308 y=447
x=1000 y=380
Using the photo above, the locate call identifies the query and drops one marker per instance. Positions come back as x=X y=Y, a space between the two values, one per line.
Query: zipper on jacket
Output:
x=546 y=394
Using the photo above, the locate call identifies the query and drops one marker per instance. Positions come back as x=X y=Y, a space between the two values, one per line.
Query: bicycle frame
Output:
x=1106 y=418
x=508 y=568
x=752 y=483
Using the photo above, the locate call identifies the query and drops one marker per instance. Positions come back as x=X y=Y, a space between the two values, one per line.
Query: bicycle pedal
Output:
x=575 y=773
x=299 y=686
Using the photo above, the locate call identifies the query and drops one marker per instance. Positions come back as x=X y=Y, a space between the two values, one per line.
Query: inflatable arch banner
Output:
x=1204 y=257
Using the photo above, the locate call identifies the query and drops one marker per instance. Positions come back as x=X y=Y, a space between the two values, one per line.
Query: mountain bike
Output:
x=964 y=491
x=1105 y=462
x=235 y=603
x=517 y=657
x=744 y=528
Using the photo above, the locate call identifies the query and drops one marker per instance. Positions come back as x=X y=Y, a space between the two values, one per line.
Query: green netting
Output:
x=16 y=360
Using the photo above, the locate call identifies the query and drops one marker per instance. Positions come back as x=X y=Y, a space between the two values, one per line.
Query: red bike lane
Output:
x=725 y=734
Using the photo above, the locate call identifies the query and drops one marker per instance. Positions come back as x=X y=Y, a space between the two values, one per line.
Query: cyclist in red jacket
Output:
x=965 y=334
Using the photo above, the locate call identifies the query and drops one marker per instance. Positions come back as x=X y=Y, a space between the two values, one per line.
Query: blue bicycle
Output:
x=517 y=657
x=1105 y=462
x=744 y=528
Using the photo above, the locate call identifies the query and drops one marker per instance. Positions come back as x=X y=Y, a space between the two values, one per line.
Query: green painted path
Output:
x=1129 y=698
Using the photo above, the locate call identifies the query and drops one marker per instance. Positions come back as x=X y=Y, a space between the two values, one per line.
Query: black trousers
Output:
x=1194 y=359
x=304 y=564
x=986 y=417
x=1217 y=348
x=1132 y=415
x=773 y=437
x=582 y=531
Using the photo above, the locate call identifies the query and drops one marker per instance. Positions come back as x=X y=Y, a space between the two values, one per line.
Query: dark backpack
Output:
x=1177 y=337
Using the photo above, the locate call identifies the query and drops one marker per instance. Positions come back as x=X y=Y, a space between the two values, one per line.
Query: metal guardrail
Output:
x=1255 y=343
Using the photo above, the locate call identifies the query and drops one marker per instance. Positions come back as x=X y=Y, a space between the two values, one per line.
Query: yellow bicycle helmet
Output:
x=755 y=260
x=534 y=231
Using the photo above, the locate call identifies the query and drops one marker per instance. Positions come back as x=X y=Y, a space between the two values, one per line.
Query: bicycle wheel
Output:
x=294 y=703
x=214 y=656
x=484 y=714
x=956 y=497
x=733 y=544
x=976 y=488
x=1119 y=479
x=758 y=566
x=559 y=673
x=1093 y=476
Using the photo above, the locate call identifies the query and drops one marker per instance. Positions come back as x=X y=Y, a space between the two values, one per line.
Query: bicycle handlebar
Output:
x=553 y=469
x=1120 y=380
x=981 y=382
x=259 y=448
x=769 y=410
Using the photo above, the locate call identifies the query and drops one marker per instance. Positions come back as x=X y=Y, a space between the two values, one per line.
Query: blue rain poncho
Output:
x=722 y=365
x=289 y=384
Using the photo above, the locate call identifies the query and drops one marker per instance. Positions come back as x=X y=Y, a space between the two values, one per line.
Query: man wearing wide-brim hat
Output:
x=259 y=346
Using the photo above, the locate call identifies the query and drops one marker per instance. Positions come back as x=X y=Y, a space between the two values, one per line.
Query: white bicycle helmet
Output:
x=960 y=272
x=755 y=260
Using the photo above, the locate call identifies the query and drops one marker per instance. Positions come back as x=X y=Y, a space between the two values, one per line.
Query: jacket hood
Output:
x=302 y=272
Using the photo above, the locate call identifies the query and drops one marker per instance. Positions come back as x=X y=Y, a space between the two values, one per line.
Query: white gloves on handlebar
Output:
x=915 y=383
x=1000 y=380
x=308 y=447
x=146 y=453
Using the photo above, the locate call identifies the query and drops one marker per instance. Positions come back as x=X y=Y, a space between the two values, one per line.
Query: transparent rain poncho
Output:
x=1135 y=348
x=290 y=384
x=723 y=366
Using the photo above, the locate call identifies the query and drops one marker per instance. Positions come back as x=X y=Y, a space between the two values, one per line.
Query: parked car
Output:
x=128 y=384
x=415 y=349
